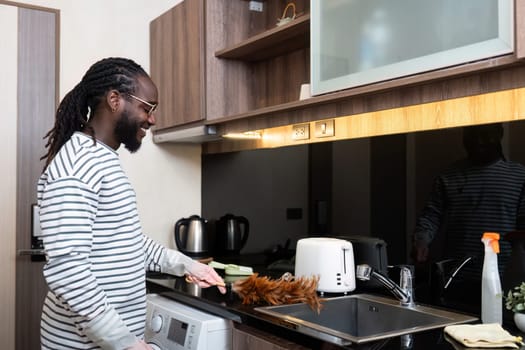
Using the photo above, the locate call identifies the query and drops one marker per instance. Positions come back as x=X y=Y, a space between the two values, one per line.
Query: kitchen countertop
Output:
x=229 y=305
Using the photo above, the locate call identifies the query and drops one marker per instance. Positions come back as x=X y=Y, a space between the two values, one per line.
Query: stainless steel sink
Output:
x=362 y=318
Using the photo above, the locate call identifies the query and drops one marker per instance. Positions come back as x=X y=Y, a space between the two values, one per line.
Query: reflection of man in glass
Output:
x=483 y=192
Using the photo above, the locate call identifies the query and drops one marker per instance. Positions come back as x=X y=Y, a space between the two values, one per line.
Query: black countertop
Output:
x=229 y=306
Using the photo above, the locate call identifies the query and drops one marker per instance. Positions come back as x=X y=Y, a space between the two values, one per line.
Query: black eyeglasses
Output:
x=152 y=106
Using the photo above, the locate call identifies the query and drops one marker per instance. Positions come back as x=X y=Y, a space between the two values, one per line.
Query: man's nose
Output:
x=151 y=119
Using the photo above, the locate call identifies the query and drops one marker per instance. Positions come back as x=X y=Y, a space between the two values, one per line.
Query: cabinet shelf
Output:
x=271 y=43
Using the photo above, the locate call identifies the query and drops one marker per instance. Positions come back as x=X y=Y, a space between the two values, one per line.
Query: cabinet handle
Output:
x=30 y=252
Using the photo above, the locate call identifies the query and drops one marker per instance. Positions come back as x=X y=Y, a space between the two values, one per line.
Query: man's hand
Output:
x=420 y=251
x=205 y=276
x=140 y=345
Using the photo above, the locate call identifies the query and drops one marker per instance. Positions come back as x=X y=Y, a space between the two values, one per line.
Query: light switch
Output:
x=324 y=128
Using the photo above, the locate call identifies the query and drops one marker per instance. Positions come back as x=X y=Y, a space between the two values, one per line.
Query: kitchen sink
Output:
x=362 y=318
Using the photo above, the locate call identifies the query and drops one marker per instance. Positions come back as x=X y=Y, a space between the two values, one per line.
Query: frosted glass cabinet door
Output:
x=357 y=42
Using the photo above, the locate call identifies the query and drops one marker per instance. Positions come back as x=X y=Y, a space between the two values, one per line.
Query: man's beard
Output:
x=126 y=131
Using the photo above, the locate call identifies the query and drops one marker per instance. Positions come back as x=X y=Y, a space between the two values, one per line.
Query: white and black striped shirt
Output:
x=96 y=252
x=467 y=201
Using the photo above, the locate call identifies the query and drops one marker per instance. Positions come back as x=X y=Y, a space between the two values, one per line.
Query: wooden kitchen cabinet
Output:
x=251 y=73
x=268 y=63
x=177 y=66
x=245 y=337
x=214 y=60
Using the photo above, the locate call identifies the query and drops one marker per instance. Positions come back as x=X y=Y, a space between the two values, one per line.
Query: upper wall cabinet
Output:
x=177 y=64
x=361 y=42
x=235 y=61
x=218 y=63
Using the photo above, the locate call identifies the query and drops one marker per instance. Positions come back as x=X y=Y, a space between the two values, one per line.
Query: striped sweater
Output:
x=469 y=200
x=96 y=252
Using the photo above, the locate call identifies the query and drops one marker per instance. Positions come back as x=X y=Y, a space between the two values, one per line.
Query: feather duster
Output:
x=285 y=290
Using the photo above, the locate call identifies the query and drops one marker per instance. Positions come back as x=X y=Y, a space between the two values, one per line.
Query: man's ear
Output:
x=113 y=100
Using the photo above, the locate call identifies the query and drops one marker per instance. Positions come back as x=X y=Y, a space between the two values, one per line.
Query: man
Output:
x=96 y=252
x=482 y=193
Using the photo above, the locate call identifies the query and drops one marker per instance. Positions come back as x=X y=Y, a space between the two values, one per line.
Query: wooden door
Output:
x=37 y=91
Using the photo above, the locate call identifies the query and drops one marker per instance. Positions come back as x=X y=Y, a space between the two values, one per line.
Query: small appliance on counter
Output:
x=371 y=251
x=331 y=259
x=192 y=237
x=173 y=325
x=231 y=234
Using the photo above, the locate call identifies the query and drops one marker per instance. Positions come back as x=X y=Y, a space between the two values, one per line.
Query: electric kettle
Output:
x=232 y=233
x=191 y=236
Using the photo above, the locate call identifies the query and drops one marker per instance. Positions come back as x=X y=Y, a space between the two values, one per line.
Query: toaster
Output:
x=331 y=259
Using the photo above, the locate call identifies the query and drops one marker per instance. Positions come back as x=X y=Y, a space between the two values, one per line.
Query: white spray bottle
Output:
x=491 y=294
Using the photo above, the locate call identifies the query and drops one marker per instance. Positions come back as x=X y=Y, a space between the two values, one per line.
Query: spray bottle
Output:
x=491 y=294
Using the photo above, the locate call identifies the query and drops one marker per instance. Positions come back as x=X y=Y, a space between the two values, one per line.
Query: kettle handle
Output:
x=178 y=225
x=244 y=221
x=196 y=217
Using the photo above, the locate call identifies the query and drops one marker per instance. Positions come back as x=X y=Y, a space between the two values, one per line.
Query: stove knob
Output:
x=156 y=323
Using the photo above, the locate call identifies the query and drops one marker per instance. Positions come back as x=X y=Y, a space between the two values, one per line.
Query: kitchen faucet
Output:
x=404 y=292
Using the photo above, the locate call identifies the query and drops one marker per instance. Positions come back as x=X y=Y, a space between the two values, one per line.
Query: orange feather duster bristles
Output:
x=285 y=290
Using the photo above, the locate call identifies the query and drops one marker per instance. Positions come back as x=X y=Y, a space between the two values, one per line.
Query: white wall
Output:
x=8 y=92
x=166 y=178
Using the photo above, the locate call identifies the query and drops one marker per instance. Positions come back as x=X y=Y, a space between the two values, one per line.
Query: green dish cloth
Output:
x=232 y=269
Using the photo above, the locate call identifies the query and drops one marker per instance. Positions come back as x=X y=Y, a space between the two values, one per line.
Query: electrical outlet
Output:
x=256 y=6
x=301 y=132
x=324 y=128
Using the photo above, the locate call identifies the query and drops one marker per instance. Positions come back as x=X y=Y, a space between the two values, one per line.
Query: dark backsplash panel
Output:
x=372 y=186
x=318 y=189
x=261 y=185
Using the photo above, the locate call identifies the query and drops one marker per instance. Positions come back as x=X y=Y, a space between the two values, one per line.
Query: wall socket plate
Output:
x=301 y=132
x=324 y=128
